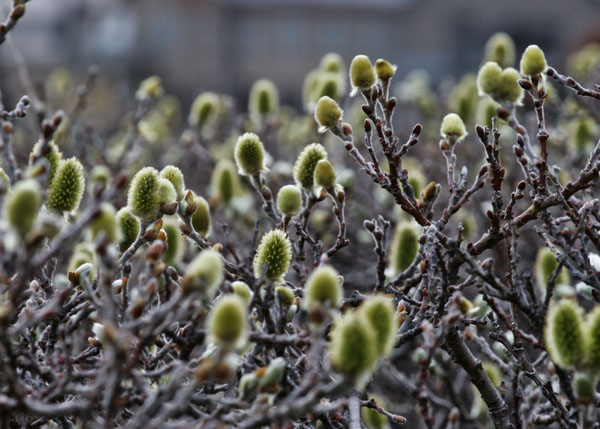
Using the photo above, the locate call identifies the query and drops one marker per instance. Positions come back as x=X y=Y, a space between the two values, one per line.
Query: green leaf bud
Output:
x=564 y=334
x=22 y=205
x=592 y=332
x=224 y=181
x=128 y=228
x=99 y=176
x=242 y=290
x=175 y=242
x=323 y=287
x=201 y=217
x=204 y=109
x=166 y=193
x=204 y=273
x=105 y=222
x=405 y=246
x=67 y=186
x=289 y=200
x=264 y=98
x=500 y=48
x=488 y=78
x=384 y=69
x=143 y=194
x=509 y=88
x=175 y=176
x=150 y=87
x=304 y=167
x=227 y=322
x=379 y=311
x=453 y=127
x=362 y=75
x=327 y=113
x=332 y=62
x=373 y=419
x=248 y=386
x=545 y=265
x=353 y=349
x=249 y=154
x=53 y=156
x=325 y=174
x=533 y=61
x=285 y=295
x=4 y=181
x=274 y=253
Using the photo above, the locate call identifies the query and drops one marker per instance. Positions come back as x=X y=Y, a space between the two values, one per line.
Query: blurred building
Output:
x=226 y=45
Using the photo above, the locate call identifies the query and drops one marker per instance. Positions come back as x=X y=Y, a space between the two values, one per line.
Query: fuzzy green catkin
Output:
x=592 y=332
x=22 y=205
x=264 y=98
x=285 y=295
x=362 y=75
x=379 y=311
x=327 y=113
x=405 y=246
x=4 y=181
x=99 y=176
x=204 y=109
x=323 y=287
x=545 y=265
x=249 y=154
x=204 y=273
x=304 y=167
x=328 y=85
x=83 y=253
x=274 y=253
x=67 y=186
x=175 y=176
x=227 y=322
x=242 y=290
x=500 y=48
x=352 y=351
x=289 y=200
x=564 y=334
x=128 y=228
x=201 y=217
x=533 y=61
x=53 y=157
x=332 y=62
x=166 y=193
x=224 y=181
x=143 y=194
x=175 y=242
x=106 y=222
x=384 y=69
x=325 y=174
x=150 y=87
x=488 y=78
x=509 y=88
x=453 y=127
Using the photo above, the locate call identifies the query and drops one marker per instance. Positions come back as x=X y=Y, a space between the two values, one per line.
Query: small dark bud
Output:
x=367 y=109
x=522 y=185
x=518 y=151
x=169 y=208
x=369 y=225
x=391 y=103
x=525 y=84
x=480 y=132
x=121 y=180
x=367 y=126
x=17 y=12
x=551 y=72
x=444 y=145
x=417 y=130
x=571 y=81
x=346 y=129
